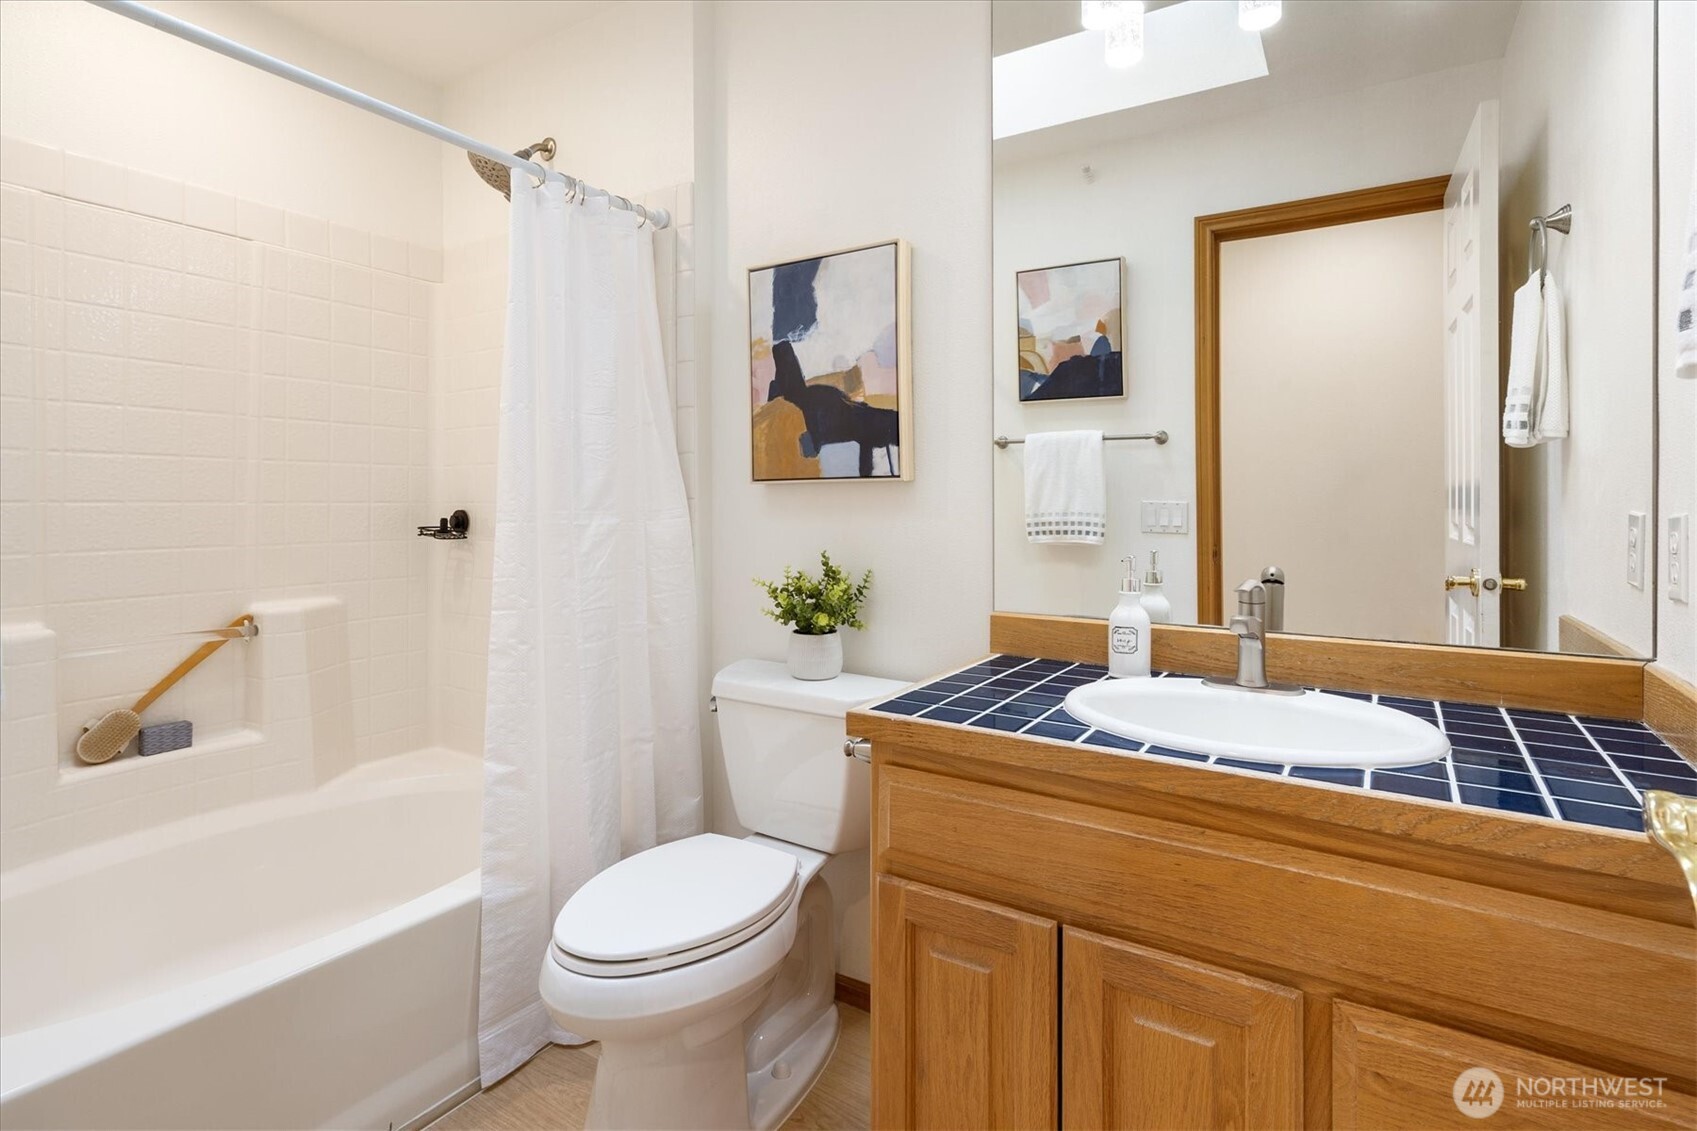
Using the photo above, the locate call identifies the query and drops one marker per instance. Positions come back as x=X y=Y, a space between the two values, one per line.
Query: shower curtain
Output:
x=591 y=743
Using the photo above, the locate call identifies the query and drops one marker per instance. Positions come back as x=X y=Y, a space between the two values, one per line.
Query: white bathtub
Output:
x=305 y=961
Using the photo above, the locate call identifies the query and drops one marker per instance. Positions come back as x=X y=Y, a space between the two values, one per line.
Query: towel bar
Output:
x=1158 y=437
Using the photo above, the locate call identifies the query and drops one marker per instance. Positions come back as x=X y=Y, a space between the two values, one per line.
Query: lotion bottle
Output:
x=1155 y=601
x=1129 y=638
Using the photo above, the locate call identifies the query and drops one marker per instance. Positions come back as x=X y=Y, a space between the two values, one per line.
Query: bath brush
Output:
x=104 y=738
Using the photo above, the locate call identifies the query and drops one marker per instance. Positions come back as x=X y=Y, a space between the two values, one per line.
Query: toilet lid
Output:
x=675 y=897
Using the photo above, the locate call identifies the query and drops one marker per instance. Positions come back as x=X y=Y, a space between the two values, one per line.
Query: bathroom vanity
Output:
x=1082 y=935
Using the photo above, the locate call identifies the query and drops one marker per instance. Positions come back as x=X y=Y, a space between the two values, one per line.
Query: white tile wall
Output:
x=206 y=403
x=465 y=406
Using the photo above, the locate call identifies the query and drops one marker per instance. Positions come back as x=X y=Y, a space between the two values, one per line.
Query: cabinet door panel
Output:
x=963 y=1026
x=1393 y=1072
x=1151 y=1040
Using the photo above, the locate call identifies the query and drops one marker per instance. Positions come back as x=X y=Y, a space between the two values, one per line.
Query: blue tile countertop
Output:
x=1566 y=767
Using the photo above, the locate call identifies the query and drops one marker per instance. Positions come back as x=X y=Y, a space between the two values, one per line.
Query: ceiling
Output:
x=1319 y=48
x=431 y=40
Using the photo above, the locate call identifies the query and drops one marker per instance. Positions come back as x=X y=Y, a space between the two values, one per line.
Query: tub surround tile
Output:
x=1584 y=770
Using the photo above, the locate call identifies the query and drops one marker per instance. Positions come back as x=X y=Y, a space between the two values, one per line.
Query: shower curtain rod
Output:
x=241 y=53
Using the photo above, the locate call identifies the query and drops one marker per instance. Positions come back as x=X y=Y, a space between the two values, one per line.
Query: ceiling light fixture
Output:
x=1258 y=15
x=1099 y=15
x=1124 y=37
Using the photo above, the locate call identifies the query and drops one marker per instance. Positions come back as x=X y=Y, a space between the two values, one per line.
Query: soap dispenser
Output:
x=1155 y=601
x=1129 y=638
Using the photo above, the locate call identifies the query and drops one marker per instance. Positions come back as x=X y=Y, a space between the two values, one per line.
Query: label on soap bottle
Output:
x=1124 y=639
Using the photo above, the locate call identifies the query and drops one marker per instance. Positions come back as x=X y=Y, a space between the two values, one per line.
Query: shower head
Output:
x=498 y=176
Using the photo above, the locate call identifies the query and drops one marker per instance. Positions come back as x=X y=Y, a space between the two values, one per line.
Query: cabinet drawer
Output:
x=1591 y=984
x=1393 y=1072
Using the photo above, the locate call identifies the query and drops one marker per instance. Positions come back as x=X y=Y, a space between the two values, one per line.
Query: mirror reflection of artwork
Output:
x=1070 y=332
x=828 y=366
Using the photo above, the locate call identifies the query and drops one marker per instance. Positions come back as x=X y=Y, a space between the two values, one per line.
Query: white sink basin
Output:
x=1311 y=729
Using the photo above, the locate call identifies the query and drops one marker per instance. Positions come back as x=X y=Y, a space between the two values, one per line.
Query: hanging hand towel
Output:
x=1549 y=411
x=1066 y=491
x=1535 y=408
x=1685 y=339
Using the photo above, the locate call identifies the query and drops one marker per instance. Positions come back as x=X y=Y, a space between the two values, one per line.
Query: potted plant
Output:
x=816 y=607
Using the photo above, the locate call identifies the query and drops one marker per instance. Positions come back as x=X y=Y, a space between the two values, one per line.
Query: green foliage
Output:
x=817 y=606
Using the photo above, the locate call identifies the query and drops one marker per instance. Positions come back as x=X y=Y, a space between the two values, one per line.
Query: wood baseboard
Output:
x=1585 y=685
x=1670 y=709
x=853 y=991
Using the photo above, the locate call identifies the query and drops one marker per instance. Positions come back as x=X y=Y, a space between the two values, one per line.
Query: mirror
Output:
x=1307 y=252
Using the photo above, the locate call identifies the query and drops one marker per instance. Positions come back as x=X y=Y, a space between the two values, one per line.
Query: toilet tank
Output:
x=783 y=744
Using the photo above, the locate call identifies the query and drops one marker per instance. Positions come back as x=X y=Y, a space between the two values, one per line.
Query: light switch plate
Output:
x=1679 y=557
x=1166 y=516
x=1635 y=549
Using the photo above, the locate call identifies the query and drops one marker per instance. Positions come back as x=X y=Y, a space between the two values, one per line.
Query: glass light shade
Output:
x=1258 y=15
x=1125 y=38
x=1098 y=15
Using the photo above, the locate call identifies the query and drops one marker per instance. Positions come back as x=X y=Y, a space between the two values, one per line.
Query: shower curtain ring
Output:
x=643 y=213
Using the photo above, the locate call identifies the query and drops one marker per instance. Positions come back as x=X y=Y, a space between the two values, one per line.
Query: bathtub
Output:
x=304 y=961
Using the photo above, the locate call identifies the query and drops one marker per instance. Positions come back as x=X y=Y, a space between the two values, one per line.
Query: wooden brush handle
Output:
x=194 y=660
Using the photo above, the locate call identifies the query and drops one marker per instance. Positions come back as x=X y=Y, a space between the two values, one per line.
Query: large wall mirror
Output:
x=1382 y=275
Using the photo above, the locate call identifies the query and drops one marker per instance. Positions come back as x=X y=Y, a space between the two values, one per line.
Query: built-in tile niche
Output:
x=205 y=404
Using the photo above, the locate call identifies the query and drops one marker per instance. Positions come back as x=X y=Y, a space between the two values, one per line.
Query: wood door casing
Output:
x=963 y=1035
x=1375 y=203
x=1392 y=1072
x=1153 y=1040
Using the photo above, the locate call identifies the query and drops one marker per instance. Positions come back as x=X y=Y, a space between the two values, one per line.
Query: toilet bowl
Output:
x=706 y=967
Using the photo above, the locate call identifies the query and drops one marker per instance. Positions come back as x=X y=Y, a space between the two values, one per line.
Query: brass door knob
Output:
x=1473 y=582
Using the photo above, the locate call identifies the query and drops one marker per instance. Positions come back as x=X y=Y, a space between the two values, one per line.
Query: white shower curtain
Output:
x=591 y=744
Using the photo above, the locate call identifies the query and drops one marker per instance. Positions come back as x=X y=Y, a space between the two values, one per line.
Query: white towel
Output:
x=1066 y=490
x=1685 y=347
x=1535 y=407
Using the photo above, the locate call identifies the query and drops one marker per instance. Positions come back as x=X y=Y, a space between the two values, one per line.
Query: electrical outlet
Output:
x=1679 y=557
x=1166 y=516
x=1635 y=549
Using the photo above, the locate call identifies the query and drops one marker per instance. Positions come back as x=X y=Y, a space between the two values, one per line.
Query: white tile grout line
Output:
x=1607 y=757
x=1531 y=763
x=1449 y=760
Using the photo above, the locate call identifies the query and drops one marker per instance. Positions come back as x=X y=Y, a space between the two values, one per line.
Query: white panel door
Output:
x=1471 y=412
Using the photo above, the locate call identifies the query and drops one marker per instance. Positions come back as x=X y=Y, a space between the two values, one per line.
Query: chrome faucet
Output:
x=1250 y=628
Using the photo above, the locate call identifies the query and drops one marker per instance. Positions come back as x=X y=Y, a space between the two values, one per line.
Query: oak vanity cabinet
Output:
x=1054 y=952
x=1147 y=1039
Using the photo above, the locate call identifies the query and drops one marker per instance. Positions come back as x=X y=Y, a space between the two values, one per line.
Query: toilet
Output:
x=706 y=967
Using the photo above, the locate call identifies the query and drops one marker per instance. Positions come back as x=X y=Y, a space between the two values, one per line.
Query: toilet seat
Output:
x=674 y=904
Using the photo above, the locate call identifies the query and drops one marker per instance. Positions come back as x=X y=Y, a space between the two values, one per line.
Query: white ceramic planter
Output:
x=816 y=657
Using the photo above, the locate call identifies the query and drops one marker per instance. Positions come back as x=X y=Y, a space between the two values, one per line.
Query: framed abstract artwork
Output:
x=1071 y=332
x=830 y=381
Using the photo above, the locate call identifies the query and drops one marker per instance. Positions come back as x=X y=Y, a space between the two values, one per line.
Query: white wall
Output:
x=1578 y=127
x=1142 y=205
x=1676 y=622
x=1332 y=343
x=76 y=78
x=839 y=124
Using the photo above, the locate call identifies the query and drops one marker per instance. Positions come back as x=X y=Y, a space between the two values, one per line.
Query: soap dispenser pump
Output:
x=1155 y=601
x=1129 y=637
